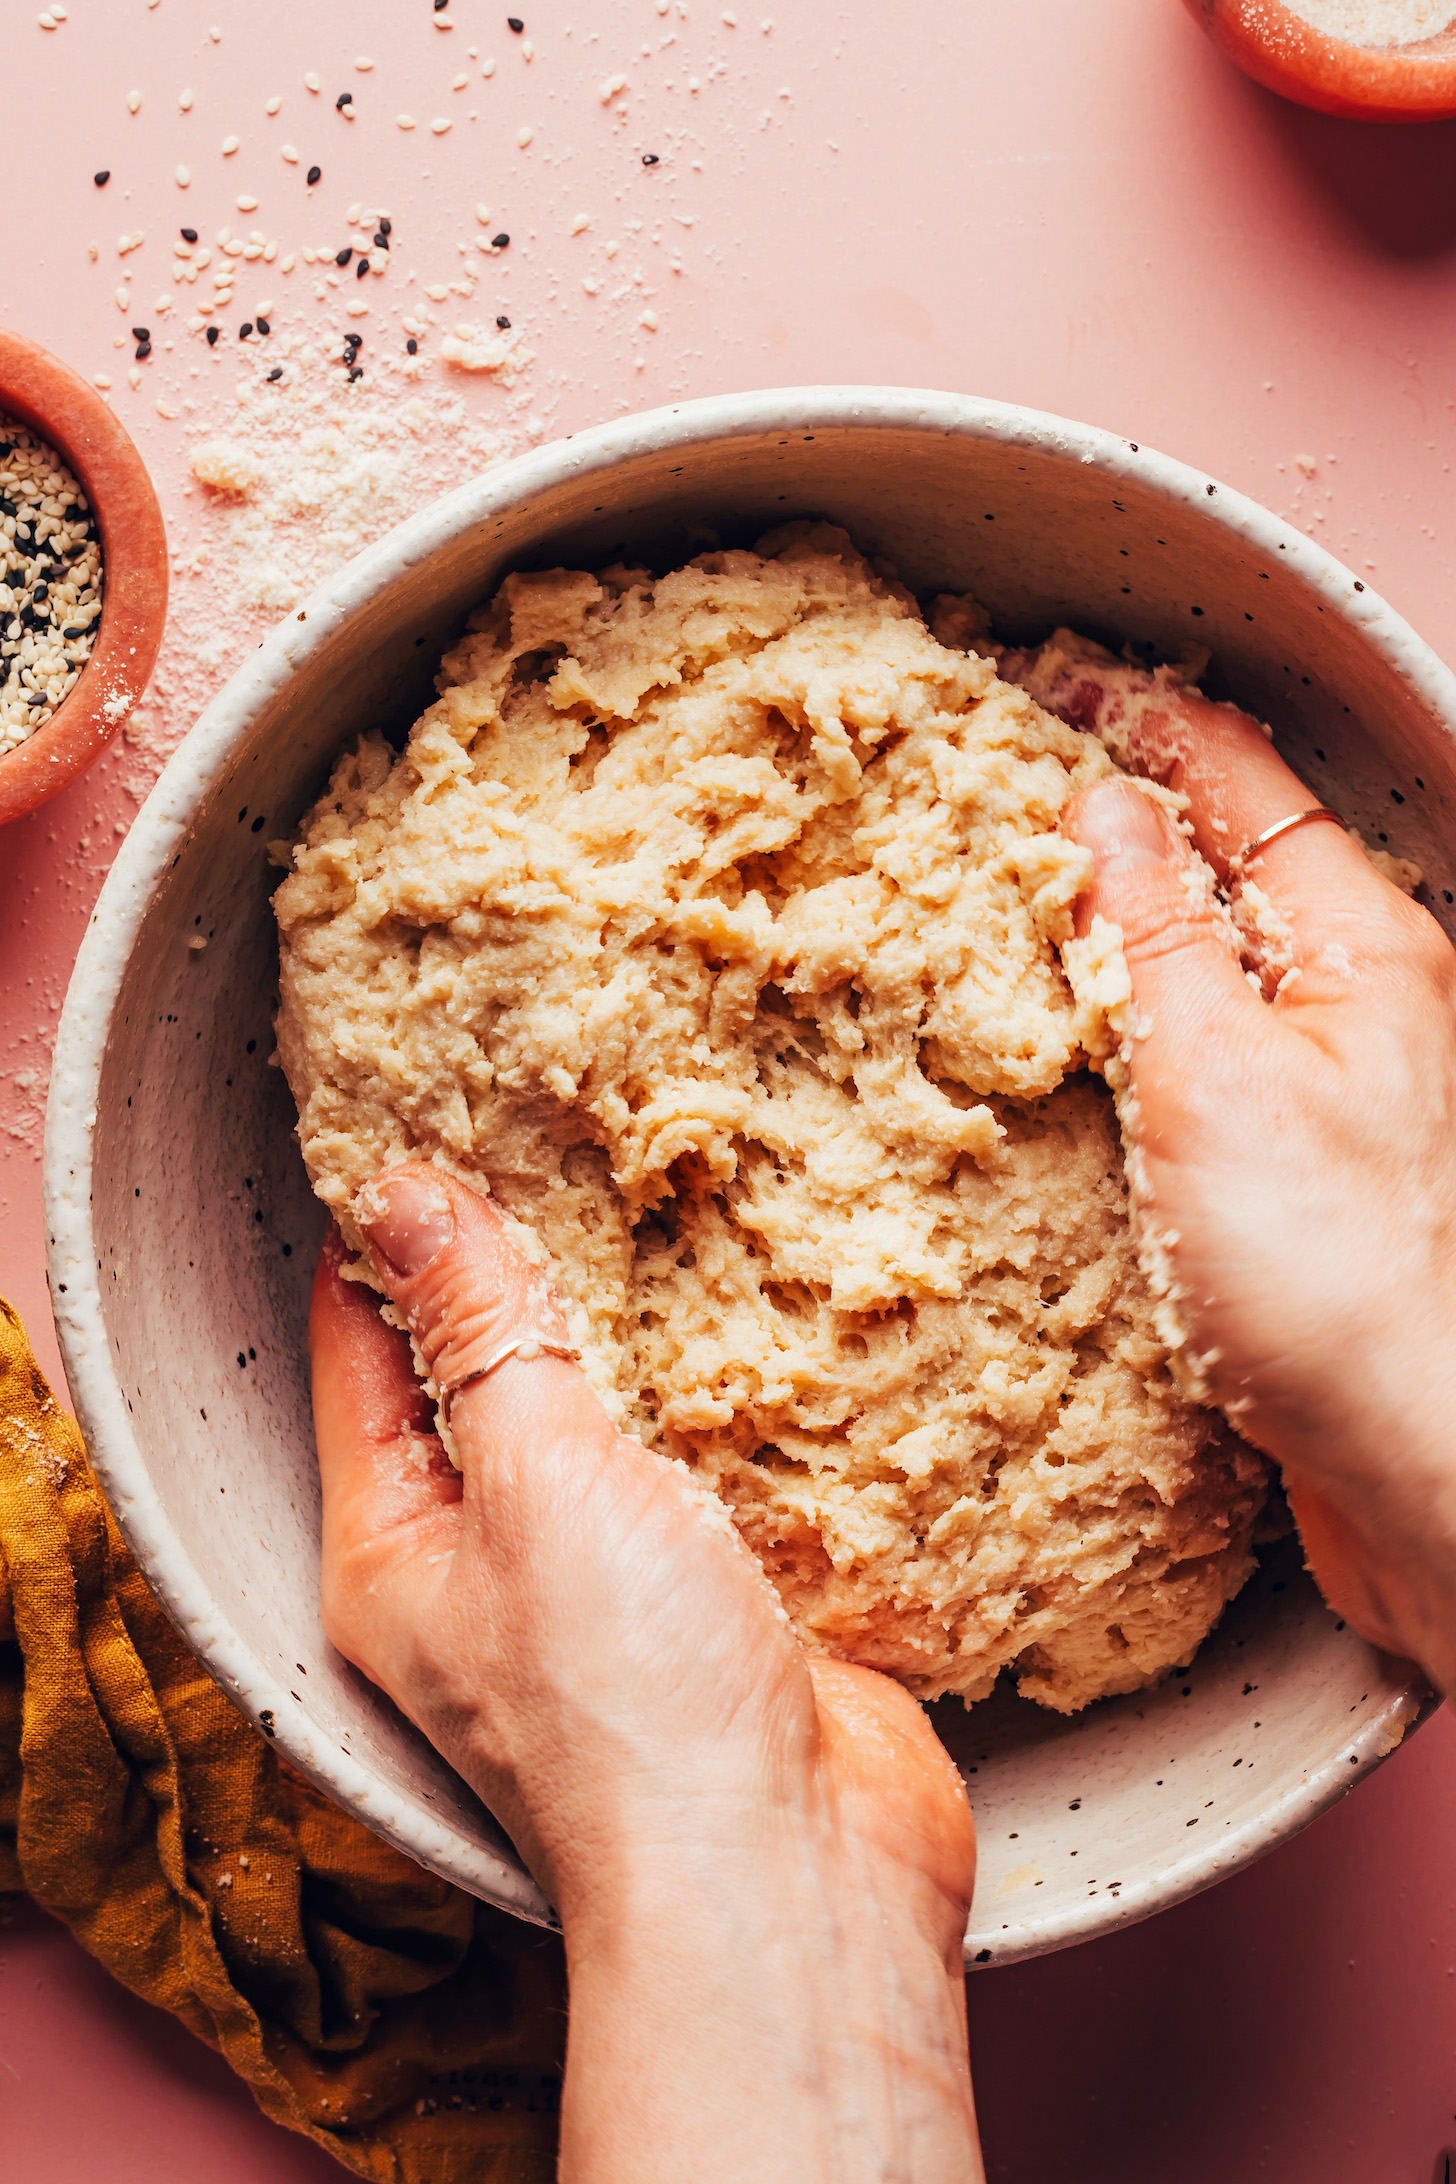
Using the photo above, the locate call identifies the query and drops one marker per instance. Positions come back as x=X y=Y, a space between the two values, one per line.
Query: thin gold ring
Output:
x=525 y=1347
x=1261 y=842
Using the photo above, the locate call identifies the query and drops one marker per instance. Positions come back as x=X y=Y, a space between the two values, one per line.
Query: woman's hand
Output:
x=1299 y=1155
x=763 y=1863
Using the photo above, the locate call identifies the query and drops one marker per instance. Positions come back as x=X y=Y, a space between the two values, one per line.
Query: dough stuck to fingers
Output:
x=719 y=923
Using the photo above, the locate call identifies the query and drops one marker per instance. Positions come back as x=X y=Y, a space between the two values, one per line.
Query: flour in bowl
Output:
x=720 y=923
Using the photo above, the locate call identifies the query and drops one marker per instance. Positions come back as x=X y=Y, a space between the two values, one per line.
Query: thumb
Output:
x=1187 y=986
x=483 y=1317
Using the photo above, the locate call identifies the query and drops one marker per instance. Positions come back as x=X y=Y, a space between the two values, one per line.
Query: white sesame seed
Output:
x=215 y=35
x=439 y=125
x=273 y=105
x=528 y=51
x=247 y=204
x=487 y=68
x=593 y=288
x=524 y=136
x=93 y=252
x=730 y=18
x=363 y=63
x=355 y=310
x=164 y=304
x=134 y=377
x=133 y=102
x=348 y=112
x=459 y=83
x=310 y=81
x=290 y=155
x=286 y=264
x=482 y=214
x=649 y=320
x=404 y=121
x=611 y=85
x=184 y=100
x=123 y=298
x=351 y=217
x=100 y=380
x=270 y=252
x=230 y=145
x=47 y=21
x=203 y=258
x=253 y=250
x=165 y=409
x=437 y=292
x=581 y=223
x=443 y=22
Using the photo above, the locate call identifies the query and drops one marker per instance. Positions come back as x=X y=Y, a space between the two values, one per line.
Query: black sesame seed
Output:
x=277 y=372
x=342 y=257
x=345 y=98
x=315 y=174
x=264 y=327
x=411 y=347
x=649 y=159
x=245 y=329
x=140 y=333
x=502 y=320
x=102 y=179
x=381 y=240
x=499 y=242
x=188 y=234
x=440 y=6
x=513 y=22
x=361 y=269
x=356 y=371
x=386 y=227
x=212 y=334
x=144 y=349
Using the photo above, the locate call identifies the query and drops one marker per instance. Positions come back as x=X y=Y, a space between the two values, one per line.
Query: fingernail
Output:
x=1124 y=829
x=407 y=1218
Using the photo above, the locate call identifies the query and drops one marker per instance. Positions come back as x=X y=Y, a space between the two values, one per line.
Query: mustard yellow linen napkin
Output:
x=414 y=2032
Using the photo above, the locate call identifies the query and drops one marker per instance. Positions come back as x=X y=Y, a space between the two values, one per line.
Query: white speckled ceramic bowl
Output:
x=182 y=1231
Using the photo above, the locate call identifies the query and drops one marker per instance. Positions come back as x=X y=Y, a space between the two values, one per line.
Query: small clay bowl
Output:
x=38 y=390
x=1364 y=83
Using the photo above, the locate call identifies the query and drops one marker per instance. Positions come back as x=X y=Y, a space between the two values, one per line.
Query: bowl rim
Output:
x=1314 y=68
x=44 y=394
x=154 y=840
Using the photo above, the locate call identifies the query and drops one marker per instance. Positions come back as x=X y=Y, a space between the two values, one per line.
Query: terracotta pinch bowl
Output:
x=39 y=391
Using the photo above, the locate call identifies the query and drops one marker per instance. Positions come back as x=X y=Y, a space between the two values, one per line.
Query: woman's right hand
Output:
x=1299 y=1155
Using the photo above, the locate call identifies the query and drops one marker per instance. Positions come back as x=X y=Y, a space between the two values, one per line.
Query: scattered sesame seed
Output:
x=184 y=100
x=482 y=214
x=610 y=86
x=487 y=68
x=363 y=63
x=502 y=321
x=140 y=333
x=102 y=179
x=133 y=102
x=500 y=242
x=345 y=98
x=528 y=51
x=649 y=320
x=123 y=298
x=310 y=81
x=188 y=234
x=513 y=22
x=262 y=324
x=212 y=334
x=412 y=346
x=361 y=268
x=247 y=204
x=386 y=225
x=650 y=159
x=404 y=121
x=439 y=125
x=315 y=174
x=581 y=223
x=230 y=145
x=276 y=373
x=245 y=329
x=102 y=382
x=524 y=136
x=458 y=83
x=46 y=20
x=356 y=371
x=273 y=106
x=144 y=349
x=441 y=5
x=290 y=153
x=342 y=257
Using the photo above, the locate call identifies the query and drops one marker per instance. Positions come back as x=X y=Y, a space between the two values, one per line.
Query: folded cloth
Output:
x=414 y=2032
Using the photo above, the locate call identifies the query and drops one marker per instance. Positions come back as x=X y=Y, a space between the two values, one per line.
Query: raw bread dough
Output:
x=715 y=921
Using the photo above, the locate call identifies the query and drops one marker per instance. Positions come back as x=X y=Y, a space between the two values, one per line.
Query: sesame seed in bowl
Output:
x=83 y=575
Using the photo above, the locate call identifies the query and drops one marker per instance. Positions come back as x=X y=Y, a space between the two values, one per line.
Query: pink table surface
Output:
x=1066 y=203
